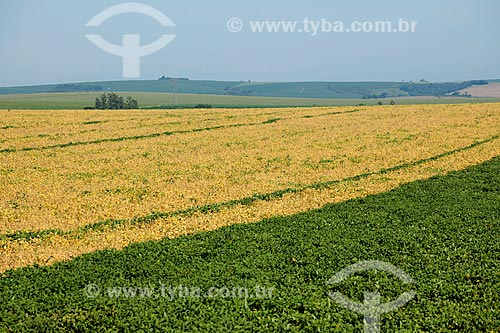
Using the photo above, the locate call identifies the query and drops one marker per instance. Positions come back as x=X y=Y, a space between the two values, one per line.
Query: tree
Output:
x=101 y=102
x=98 y=104
x=131 y=103
x=115 y=102
x=104 y=101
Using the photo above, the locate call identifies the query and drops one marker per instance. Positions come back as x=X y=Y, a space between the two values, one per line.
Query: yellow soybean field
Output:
x=73 y=182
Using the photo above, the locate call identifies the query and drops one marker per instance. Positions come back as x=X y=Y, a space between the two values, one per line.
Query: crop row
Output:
x=59 y=129
x=442 y=232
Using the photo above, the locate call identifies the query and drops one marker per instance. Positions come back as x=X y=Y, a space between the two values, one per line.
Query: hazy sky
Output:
x=43 y=41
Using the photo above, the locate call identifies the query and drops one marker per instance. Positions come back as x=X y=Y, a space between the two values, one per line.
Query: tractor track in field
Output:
x=166 y=133
x=113 y=223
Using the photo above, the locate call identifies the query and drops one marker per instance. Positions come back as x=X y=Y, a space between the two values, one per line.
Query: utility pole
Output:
x=173 y=85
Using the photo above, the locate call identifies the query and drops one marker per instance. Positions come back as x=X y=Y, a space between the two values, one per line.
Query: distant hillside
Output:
x=346 y=90
x=183 y=86
x=489 y=90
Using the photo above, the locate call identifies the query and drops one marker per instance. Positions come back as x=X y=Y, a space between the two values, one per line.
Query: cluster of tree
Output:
x=77 y=88
x=378 y=103
x=238 y=92
x=438 y=89
x=163 y=77
x=459 y=94
x=113 y=101
x=382 y=95
x=203 y=106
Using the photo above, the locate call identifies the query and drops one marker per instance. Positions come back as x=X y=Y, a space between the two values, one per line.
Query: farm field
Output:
x=75 y=182
x=442 y=231
x=249 y=167
x=80 y=100
x=490 y=90
x=62 y=101
x=299 y=193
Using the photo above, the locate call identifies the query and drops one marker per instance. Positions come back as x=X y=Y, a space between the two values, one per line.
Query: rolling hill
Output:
x=346 y=90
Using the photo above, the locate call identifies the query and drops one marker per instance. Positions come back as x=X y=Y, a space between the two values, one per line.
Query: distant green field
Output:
x=151 y=100
x=61 y=101
x=443 y=232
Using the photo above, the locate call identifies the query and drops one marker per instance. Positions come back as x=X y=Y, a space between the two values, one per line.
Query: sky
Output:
x=44 y=41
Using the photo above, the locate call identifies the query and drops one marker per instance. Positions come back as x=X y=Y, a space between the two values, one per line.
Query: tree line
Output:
x=76 y=88
x=438 y=89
